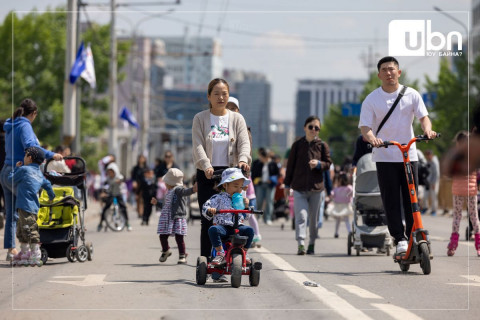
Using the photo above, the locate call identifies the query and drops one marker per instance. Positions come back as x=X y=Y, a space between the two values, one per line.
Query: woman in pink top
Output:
x=464 y=188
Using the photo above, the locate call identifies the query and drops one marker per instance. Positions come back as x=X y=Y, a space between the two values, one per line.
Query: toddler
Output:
x=342 y=203
x=173 y=219
x=28 y=180
x=233 y=181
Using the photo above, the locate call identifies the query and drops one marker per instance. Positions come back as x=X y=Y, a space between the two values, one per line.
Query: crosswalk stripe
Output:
x=332 y=300
x=356 y=290
x=396 y=312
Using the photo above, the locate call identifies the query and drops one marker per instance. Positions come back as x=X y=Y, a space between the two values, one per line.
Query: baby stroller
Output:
x=61 y=223
x=367 y=205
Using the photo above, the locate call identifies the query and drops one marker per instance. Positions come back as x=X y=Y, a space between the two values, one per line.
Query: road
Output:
x=126 y=281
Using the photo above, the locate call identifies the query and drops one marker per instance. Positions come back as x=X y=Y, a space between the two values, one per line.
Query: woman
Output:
x=19 y=136
x=137 y=177
x=168 y=162
x=308 y=158
x=220 y=140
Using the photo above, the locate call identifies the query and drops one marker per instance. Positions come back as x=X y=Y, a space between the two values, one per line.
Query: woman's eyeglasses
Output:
x=316 y=128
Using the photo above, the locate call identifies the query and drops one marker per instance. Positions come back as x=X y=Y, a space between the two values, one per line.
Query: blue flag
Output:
x=126 y=115
x=79 y=64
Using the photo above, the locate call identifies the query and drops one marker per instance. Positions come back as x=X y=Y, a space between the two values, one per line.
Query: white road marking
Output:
x=474 y=281
x=362 y=293
x=89 y=280
x=396 y=312
x=342 y=307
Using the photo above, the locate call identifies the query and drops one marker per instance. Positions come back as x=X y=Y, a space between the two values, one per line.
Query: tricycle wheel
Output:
x=201 y=273
x=71 y=253
x=425 y=258
x=236 y=277
x=404 y=267
x=254 y=277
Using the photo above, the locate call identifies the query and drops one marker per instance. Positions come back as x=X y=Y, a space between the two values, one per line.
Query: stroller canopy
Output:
x=366 y=178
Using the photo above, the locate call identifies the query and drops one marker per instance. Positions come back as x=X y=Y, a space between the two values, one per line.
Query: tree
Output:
x=34 y=45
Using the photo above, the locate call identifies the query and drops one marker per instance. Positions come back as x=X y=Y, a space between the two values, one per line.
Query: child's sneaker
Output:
x=219 y=259
x=129 y=227
x=311 y=249
x=182 y=259
x=165 y=255
x=301 y=250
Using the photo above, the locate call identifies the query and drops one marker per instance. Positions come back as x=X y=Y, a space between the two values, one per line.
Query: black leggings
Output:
x=205 y=192
x=178 y=239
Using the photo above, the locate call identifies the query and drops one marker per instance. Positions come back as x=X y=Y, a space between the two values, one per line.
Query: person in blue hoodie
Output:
x=28 y=180
x=19 y=136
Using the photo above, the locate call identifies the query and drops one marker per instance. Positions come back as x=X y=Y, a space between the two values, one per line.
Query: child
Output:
x=342 y=199
x=233 y=181
x=114 y=182
x=28 y=180
x=174 y=213
x=148 y=187
x=464 y=188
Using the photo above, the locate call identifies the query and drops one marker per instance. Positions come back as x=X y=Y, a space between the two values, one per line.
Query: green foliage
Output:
x=33 y=46
x=450 y=111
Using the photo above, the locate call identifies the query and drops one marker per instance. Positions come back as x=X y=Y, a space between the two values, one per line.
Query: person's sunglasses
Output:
x=310 y=127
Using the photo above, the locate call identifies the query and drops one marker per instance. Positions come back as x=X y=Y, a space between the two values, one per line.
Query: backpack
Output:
x=423 y=173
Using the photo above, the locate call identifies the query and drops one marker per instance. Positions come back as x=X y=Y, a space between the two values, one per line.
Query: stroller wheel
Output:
x=82 y=253
x=89 y=246
x=71 y=254
x=350 y=243
x=44 y=257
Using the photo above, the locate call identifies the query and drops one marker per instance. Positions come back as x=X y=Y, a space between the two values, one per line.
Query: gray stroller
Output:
x=369 y=226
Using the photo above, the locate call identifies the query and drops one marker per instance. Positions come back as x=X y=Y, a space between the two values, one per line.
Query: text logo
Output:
x=415 y=38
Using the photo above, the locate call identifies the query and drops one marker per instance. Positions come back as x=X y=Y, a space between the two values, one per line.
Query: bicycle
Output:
x=114 y=218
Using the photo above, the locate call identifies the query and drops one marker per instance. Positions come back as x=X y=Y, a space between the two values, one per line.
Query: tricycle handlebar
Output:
x=251 y=210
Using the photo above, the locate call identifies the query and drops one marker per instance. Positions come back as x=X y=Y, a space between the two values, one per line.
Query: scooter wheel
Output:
x=425 y=258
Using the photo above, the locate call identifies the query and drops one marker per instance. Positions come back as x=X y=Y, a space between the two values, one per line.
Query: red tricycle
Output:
x=419 y=244
x=235 y=258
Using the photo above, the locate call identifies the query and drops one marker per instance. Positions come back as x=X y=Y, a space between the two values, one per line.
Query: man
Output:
x=398 y=127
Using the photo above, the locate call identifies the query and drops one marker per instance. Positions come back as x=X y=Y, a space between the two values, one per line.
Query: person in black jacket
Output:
x=148 y=185
x=265 y=176
x=308 y=158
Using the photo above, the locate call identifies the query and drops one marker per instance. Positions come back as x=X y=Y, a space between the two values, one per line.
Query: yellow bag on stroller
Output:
x=62 y=212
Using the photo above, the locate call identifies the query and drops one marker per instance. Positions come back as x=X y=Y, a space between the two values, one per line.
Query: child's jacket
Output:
x=27 y=182
x=222 y=201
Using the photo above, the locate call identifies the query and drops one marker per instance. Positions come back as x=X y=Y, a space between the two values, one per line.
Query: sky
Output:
x=285 y=39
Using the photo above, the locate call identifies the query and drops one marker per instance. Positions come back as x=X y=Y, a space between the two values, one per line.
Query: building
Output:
x=191 y=62
x=281 y=136
x=314 y=97
x=253 y=91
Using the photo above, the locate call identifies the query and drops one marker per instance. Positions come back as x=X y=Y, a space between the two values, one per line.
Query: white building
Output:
x=314 y=97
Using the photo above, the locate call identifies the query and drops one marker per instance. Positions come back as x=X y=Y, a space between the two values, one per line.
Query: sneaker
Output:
x=165 y=255
x=257 y=238
x=301 y=250
x=336 y=235
x=433 y=213
x=99 y=227
x=182 y=259
x=129 y=227
x=248 y=260
x=310 y=249
x=402 y=246
x=219 y=259
x=269 y=222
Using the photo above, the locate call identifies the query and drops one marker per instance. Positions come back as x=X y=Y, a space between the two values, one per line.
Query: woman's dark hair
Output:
x=213 y=83
x=27 y=107
x=310 y=119
x=343 y=178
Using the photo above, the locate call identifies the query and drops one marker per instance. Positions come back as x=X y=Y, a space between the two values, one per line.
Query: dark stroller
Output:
x=62 y=223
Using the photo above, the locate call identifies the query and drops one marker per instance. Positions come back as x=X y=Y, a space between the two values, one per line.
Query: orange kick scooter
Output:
x=419 y=244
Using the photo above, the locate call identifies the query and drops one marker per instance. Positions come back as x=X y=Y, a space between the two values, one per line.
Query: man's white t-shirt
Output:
x=398 y=127
x=219 y=132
